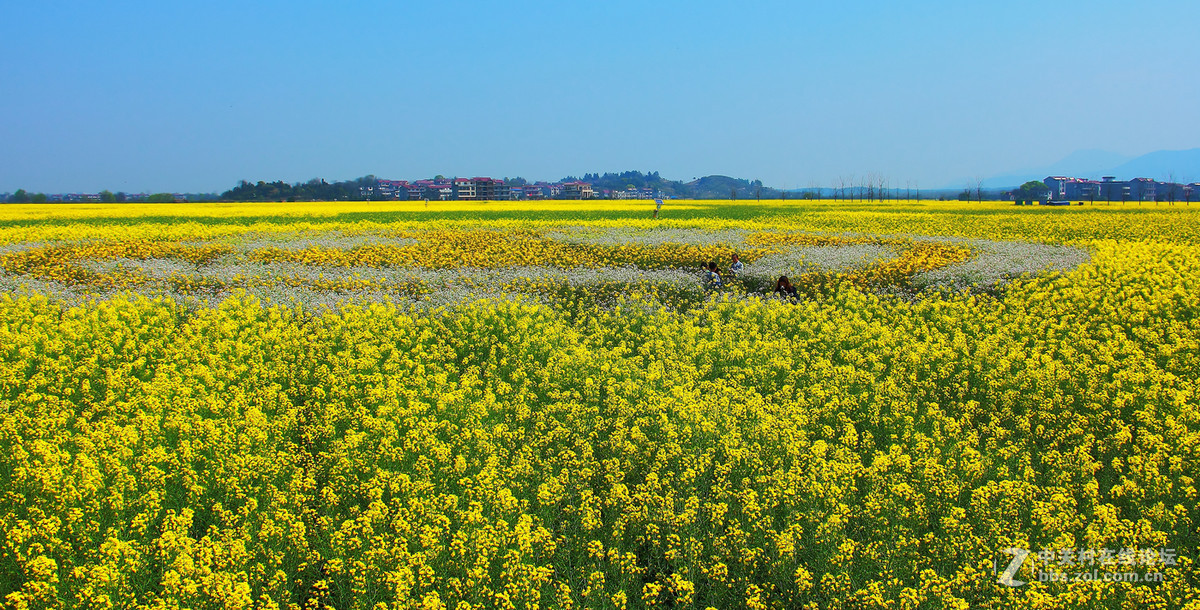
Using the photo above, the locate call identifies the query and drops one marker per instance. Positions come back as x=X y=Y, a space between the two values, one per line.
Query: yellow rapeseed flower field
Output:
x=548 y=405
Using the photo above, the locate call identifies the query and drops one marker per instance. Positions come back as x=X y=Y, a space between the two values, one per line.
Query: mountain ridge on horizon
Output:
x=1094 y=164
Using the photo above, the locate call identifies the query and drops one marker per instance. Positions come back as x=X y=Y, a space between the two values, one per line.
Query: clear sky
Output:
x=194 y=95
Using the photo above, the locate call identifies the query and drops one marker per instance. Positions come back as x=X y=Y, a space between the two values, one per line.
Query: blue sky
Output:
x=193 y=96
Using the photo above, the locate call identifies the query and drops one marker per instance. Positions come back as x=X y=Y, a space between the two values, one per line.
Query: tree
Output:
x=1034 y=189
x=19 y=197
x=107 y=196
x=161 y=198
x=39 y=198
x=733 y=193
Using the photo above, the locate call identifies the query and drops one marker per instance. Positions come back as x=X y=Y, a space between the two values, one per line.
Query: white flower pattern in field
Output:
x=316 y=285
x=229 y=272
x=14 y=248
x=21 y=285
x=996 y=262
x=296 y=241
x=648 y=237
x=807 y=259
x=157 y=268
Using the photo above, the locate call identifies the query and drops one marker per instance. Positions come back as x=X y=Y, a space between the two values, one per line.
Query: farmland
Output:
x=541 y=405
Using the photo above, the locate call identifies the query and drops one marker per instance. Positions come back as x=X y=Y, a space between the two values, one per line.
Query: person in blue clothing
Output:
x=737 y=265
x=712 y=277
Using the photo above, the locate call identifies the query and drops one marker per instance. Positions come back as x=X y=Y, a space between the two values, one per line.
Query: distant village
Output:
x=456 y=189
x=493 y=189
x=1058 y=188
x=1109 y=188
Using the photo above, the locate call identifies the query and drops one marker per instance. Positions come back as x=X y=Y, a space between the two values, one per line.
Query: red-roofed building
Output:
x=485 y=188
x=437 y=191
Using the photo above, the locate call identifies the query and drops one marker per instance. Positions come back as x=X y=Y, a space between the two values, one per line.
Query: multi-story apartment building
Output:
x=1111 y=189
x=501 y=191
x=485 y=188
x=576 y=190
x=1143 y=189
x=1063 y=187
x=464 y=189
x=439 y=191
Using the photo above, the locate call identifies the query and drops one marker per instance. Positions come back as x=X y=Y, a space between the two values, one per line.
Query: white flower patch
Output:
x=296 y=242
x=584 y=276
x=649 y=236
x=280 y=282
x=999 y=261
x=20 y=285
x=808 y=259
x=17 y=247
x=326 y=285
x=150 y=267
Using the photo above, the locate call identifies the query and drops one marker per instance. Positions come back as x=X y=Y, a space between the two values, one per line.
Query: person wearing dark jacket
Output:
x=784 y=286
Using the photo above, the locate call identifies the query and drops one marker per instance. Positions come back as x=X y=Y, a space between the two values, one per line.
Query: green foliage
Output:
x=314 y=190
x=708 y=187
x=1032 y=190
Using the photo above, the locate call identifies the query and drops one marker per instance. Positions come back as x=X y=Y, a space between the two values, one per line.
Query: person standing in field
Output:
x=657 y=207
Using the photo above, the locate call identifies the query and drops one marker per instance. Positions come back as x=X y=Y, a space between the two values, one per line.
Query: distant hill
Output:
x=1094 y=164
x=722 y=187
x=1159 y=165
x=708 y=187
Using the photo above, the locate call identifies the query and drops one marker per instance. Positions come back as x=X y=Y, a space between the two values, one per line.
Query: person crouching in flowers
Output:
x=784 y=287
x=737 y=265
x=712 y=278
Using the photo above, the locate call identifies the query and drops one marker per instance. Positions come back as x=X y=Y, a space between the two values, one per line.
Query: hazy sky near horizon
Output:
x=192 y=96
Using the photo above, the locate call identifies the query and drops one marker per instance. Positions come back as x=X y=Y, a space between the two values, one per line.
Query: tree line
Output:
x=316 y=189
x=106 y=196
